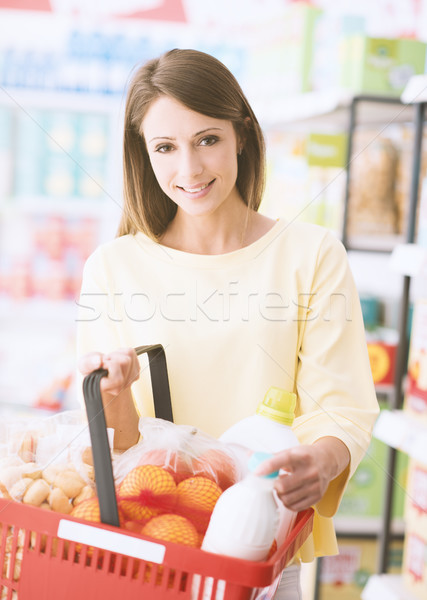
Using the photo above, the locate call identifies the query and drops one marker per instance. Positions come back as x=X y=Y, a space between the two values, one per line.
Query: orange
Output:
x=178 y=464
x=87 y=510
x=146 y=491
x=134 y=526
x=196 y=498
x=172 y=528
x=218 y=466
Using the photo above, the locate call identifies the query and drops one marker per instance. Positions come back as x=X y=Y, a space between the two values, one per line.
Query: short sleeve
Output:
x=336 y=394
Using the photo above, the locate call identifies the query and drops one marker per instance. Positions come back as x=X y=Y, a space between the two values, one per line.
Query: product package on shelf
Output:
x=6 y=162
x=299 y=25
x=380 y=183
x=415 y=560
x=382 y=350
x=380 y=65
x=306 y=179
x=415 y=402
x=330 y=34
x=47 y=262
x=364 y=495
x=416 y=494
x=61 y=154
x=280 y=57
x=344 y=576
x=415 y=548
x=372 y=207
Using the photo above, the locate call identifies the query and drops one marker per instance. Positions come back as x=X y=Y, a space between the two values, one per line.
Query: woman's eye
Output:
x=210 y=140
x=164 y=148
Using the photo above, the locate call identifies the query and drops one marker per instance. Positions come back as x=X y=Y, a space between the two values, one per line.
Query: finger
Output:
x=299 y=500
x=281 y=460
x=128 y=361
x=115 y=378
x=301 y=492
x=121 y=372
x=90 y=362
x=301 y=504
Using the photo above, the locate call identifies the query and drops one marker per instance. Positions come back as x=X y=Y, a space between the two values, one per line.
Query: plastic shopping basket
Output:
x=49 y=556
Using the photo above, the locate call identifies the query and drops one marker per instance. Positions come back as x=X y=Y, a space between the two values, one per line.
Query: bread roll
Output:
x=59 y=502
x=69 y=482
x=36 y=493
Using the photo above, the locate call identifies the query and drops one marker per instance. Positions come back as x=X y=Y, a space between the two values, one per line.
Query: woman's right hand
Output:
x=122 y=365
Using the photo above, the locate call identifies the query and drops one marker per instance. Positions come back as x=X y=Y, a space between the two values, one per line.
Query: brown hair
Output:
x=203 y=84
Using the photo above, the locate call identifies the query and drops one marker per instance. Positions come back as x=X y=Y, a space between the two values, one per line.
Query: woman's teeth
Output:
x=195 y=190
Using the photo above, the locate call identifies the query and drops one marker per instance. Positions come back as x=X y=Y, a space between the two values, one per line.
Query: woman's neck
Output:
x=219 y=234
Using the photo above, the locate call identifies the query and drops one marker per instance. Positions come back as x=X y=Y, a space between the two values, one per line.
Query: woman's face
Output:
x=194 y=157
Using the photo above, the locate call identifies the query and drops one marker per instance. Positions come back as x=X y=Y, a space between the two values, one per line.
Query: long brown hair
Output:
x=203 y=84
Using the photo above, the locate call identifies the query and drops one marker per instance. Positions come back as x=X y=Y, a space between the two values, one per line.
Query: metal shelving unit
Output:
x=396 y=398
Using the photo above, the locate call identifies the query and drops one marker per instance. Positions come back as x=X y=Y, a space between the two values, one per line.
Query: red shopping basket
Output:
x=49 y=556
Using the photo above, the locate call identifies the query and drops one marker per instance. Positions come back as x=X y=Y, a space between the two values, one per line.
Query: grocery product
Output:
x=88 y=510
x=372 y=208
x=147 y=491
x=57 y=487
x=172 y=528
x=196 y=499
x=246 y=517
x=181 y=450
x=269 y=430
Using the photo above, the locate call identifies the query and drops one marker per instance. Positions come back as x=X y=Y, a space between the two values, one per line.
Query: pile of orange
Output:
x=169 y=503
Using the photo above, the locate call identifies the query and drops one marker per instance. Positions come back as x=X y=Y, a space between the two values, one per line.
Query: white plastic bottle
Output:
x=269 y=430
x=245 y=520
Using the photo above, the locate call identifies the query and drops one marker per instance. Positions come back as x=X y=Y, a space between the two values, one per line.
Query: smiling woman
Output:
x=192 y=85
x=194 y=159
x=239 y=302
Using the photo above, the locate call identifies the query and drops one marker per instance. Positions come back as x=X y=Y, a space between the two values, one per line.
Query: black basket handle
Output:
x=159 y=380
x=104 y=478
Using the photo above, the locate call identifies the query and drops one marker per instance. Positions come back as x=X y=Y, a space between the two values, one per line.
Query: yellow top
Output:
x=280 y=312
x=278 y=405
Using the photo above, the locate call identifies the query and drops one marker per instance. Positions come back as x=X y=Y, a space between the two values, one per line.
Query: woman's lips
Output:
x=197 y=191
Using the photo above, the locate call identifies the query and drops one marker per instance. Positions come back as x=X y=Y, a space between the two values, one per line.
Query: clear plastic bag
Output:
x=47 y=462
x=182 y=450
x=176 y=471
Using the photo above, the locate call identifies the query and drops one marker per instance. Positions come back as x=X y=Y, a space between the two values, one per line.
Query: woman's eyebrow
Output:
x=165 y=137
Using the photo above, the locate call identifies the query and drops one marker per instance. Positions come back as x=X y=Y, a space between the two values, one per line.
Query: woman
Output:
x=240 y=302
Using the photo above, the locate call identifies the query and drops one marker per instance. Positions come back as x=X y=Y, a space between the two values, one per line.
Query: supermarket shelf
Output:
x=373 y=243
x=365 y=526
x=331 y=108
x=386 y=587
x=409 y=259
x=384 y=389
x=402 y=432
x=48 y=100
x=37 y=310
x=72 y=206
x=415 y=90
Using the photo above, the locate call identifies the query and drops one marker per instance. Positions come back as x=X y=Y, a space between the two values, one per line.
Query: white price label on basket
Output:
x=110 y=540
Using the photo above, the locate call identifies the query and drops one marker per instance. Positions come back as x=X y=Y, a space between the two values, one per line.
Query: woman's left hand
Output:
x=308 y=471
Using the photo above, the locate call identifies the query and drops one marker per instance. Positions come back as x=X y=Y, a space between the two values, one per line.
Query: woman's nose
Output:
x=190 y=163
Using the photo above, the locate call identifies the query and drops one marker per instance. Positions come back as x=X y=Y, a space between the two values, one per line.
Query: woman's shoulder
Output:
x=308 y=237
x=118 y=246
x=112 y=254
